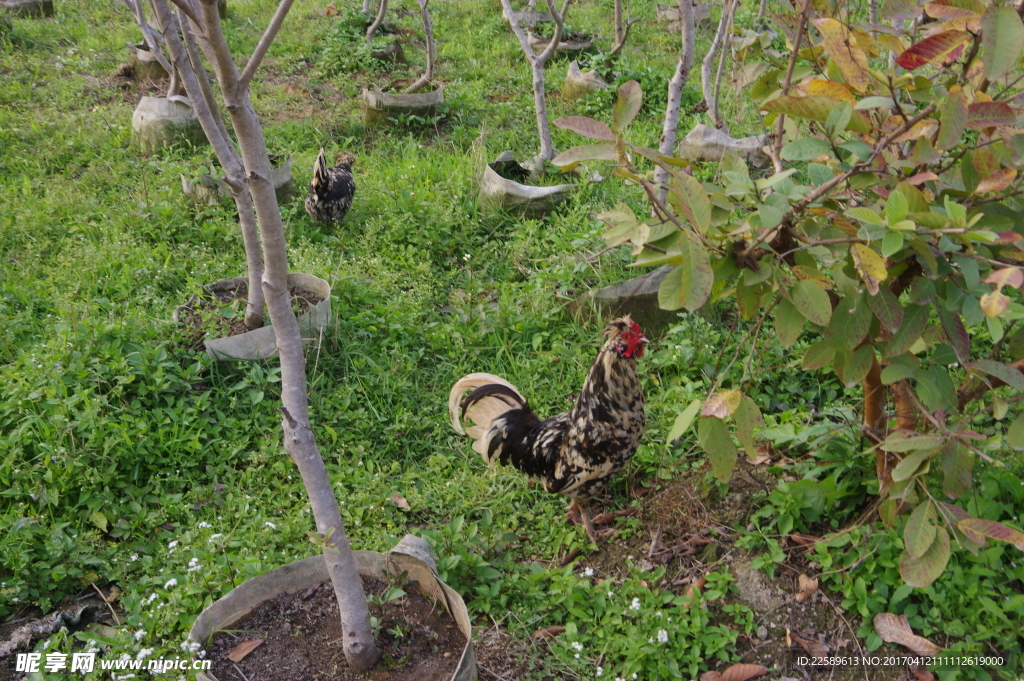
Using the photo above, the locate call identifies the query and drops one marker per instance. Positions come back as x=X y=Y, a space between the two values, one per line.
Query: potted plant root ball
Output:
x=503 y=188
x=214 y=319
x=280 y=621
x=380 y=107
x=571 y=40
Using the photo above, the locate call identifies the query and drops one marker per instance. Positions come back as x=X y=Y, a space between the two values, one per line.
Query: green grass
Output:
x=126 y=458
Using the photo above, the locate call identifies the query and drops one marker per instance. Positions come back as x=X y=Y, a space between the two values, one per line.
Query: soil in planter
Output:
x=220 y=314
x=301 y=635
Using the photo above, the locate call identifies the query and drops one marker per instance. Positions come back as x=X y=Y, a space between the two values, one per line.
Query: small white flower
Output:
x=135 y=557
x=205 y=525
x=577 y=645
x=172 y=544
x=214 y=537
x=589 y=572
x=662 y=636
x=144 y=653
x=600 y=671
x=577 y=656
x=635 y=605
x=270 y=525
x=140 y=634
x=171 y=582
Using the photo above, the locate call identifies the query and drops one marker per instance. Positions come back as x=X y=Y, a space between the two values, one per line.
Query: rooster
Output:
x=331 y=189
x=574 y=453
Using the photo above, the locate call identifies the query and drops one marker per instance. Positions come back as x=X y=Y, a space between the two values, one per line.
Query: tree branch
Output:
x=377 y=21
x=428 y=30
x=779 y=124
x=684 y=65
x=264 y=43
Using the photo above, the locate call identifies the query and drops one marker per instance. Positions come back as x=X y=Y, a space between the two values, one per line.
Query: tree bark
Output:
x=537 y=62
x=377 y=21
x=675 y=93
x=428 y=30
x=251 y=182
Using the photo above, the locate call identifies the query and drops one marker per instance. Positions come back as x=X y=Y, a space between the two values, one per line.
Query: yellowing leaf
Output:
x=933 y=48
x=722 y=404
x=1007 y=276
x=239 y=652
x=994 y=303
x=830 y=89
x=997 y=181
x=841 y=45
x=870 y=266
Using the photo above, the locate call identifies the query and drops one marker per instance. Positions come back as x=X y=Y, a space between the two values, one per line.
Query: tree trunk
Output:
x=537 y=62
x=675 y=93
x=252 y=187
x=708 y=85
x=428 y=30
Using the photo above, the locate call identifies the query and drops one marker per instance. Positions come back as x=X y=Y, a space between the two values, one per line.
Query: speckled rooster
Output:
x=331 y=189
x=576 y=452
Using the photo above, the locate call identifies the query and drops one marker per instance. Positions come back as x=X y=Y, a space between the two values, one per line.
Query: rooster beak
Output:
x=645 y=340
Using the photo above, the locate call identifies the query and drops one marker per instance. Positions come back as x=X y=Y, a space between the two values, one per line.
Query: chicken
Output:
x=575 y=453
x=331 y=189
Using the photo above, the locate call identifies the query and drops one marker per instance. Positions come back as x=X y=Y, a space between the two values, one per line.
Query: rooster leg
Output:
x=588 y=524
x=574 y=512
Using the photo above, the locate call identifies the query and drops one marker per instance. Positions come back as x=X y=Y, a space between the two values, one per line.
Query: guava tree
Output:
x=891 y=234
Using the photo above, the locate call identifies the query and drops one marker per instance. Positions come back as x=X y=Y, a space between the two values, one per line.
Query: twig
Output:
x=109 y=606
x=240 y=673
x=378 y=20
x=264 y=44
x=655 y=539
x=777 y=142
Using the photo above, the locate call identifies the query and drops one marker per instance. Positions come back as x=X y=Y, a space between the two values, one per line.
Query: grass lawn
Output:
x=129 y=460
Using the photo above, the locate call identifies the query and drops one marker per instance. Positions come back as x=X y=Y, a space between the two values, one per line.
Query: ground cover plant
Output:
x=130 y=462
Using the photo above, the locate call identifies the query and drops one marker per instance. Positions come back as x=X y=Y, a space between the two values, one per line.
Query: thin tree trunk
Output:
x=377 y=21
x=537 y=62
x=621 y=33
x=675 y=93
x=707 y=84
x=428 y=30
x=762 y=10
x=873 y=11
x=254 y=192
x=366 y=6
x=719 y=123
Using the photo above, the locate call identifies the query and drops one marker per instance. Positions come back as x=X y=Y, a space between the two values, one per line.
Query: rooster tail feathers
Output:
x=491 y=397
x=320 y=170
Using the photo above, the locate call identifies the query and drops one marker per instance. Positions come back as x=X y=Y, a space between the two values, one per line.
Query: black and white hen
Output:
x=331 y=189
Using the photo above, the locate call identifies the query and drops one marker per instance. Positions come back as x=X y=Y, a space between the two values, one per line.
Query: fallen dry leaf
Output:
x=807 y=588
x=742 y=672
x=922 y=674
x=239 y=652
x=399 y=501
x=804 y=539
x=547 y=632
x=813 y=648
x=710 y=676
x=895 y=629
x=695 y=584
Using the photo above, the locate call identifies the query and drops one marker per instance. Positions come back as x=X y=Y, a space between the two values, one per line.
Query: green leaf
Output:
x=910 y=465
x=1015 y=433
x=887 y=308
x=99 y=520
x=714 y=438
x=892 y=243
x=1002 y=37
x=954 y=121
x=819 y=173
x=865 y=215
x=874 y=103
x=804 y=149
x=896 y=372
x=904 y=441
x=692 y=201
x=915 y=321
x=919 y=532
x=585 y=152
x=770 y=216
x=956 y=333
x=627 y=106
x=812 y=302
x=920 y=572
x=748 y=417
x=819 y=355
x=858 y=366
x=1004 y=372
x=683 y=421
x=689 y=284
x=788 y=323
x=588 y=127
x=815 y=108
x=769 y=182
x=838 y=118
x=895 y=207
x=957 y=468
x=850 y=322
